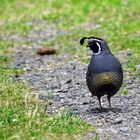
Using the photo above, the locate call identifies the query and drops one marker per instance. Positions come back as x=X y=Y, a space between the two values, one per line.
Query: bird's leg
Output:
x=99 y=99
x=108 y=98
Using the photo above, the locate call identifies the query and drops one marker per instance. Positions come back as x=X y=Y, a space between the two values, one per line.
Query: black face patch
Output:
x=95 y=47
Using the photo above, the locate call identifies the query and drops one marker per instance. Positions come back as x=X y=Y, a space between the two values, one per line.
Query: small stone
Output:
x=124 y=129
x=62 y=96
x=118 y=121
x=68 y=81
x=17 y=75
x=85 y=102
x=26 y=68
x=78 y=83
x=50 y=103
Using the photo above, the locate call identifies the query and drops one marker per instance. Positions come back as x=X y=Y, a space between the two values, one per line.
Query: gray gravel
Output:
x=62 y=80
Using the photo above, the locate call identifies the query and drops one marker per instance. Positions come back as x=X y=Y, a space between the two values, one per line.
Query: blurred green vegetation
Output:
x=116 y=21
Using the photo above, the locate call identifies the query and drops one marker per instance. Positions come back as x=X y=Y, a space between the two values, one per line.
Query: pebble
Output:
x=85 y=102
x=124 y=129
x=69 y=81
x=118 y=121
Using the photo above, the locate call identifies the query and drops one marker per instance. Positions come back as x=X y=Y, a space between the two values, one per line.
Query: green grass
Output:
x=118 y=23
x=22 y=115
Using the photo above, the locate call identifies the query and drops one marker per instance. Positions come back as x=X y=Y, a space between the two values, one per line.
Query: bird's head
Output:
x=97 y=45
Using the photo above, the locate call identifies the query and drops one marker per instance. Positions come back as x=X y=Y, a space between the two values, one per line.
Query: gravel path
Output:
x=62 y=80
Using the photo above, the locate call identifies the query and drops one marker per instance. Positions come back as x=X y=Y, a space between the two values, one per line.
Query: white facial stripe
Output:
x=98 y=46
x=99 y=49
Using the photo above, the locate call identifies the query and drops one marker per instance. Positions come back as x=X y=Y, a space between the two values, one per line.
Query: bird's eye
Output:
x=96 y=48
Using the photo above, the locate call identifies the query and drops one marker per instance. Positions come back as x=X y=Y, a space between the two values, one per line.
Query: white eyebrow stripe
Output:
x=97 y=40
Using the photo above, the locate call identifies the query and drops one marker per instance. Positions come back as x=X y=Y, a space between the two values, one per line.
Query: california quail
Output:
x=104 y=75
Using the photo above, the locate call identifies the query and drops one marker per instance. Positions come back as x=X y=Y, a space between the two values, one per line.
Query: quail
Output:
x=104 y=74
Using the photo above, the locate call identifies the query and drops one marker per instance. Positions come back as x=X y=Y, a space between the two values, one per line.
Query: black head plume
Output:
x=82 y=40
